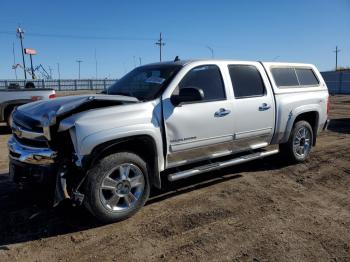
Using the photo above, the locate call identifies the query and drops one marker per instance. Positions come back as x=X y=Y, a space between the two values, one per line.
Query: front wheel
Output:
x=299 y=144
x=117 y=187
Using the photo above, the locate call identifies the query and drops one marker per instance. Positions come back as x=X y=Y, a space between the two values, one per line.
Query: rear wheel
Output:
x=117 y=187
x=299 y=144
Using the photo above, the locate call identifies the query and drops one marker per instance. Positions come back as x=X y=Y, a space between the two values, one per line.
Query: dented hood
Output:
x=46 y=112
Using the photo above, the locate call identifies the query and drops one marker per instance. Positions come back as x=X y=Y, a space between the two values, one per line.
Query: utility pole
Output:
x=58 y=71
x=160 y=43
x=14 y=58
x=211 y=50
x=31 y=66
x=336 y=51
x=50 y=69
x=79 y=62
x=20 y=33
x=140 y=60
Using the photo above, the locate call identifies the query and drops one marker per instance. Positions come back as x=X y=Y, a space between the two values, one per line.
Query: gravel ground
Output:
x=261 y=211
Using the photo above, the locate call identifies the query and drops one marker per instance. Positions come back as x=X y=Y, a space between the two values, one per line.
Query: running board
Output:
x=219 y=165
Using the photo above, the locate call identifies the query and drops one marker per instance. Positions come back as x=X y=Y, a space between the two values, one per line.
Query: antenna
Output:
x=211 y=50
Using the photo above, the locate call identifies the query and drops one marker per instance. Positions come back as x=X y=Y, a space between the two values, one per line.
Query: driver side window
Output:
x=208 y=78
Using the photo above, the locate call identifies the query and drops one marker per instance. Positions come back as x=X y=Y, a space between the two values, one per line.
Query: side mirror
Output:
x=188 y=94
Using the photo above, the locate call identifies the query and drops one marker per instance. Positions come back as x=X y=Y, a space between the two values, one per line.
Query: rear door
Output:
x=254 y=107
x=199 y=130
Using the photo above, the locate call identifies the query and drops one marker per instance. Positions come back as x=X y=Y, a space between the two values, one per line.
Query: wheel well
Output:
x=8 y=110
x=312 y=119
x=143 y=146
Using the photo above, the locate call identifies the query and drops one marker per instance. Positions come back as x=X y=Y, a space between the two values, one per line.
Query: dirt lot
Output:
x=260 y=211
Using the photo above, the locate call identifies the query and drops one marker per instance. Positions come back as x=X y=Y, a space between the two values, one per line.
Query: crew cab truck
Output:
x=10 y=98
x=169 y=120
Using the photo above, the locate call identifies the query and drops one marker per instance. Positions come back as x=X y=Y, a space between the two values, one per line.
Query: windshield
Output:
x=145 y=83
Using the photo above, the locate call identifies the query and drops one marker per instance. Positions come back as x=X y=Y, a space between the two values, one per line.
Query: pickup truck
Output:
x=169 y=120
x=10 y=98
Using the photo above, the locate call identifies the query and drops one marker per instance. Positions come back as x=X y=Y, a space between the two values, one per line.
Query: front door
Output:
x=199 y=130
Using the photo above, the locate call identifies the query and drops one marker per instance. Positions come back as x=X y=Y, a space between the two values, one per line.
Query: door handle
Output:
x=264 y=107
x=222 y=112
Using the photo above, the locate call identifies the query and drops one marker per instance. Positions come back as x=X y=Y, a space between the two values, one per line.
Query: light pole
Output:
x=14 y=59
x=20 y=33
x=79 y=62
x=58 y=71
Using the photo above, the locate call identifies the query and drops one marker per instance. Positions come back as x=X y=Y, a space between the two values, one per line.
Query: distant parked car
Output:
x=15 y=96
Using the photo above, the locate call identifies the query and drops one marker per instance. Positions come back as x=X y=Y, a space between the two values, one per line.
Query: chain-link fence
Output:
x=338 y=82
x=60 y=85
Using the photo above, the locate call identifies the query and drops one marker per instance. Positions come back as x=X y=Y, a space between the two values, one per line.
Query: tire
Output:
x=117 y=187
x=299 y=144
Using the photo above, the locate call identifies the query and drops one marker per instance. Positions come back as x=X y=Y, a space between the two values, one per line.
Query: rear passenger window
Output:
x=208 y=78
x=246 y=81
x=306 y=76
x=285 y=76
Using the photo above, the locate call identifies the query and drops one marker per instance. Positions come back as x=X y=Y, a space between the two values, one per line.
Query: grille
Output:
x=26 y=122
x=32 y=142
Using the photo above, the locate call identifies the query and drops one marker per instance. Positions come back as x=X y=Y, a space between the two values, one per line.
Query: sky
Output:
x=121 y=33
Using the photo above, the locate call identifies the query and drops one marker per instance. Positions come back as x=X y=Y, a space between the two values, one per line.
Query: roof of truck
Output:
x=188 y=61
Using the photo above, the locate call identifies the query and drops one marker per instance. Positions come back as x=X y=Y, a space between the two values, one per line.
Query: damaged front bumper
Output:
x=34 y=165
x=31 y=164
x=30 y=155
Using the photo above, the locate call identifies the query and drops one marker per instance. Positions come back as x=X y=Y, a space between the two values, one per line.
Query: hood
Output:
x=46 y=112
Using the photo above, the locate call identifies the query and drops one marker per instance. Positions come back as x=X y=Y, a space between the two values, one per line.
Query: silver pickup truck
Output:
x=10 y=98
x=168 y=120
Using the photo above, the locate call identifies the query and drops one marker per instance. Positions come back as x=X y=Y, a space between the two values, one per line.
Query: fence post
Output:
x=104 y=84
x=75 y=84
x=59 y=85
x=43 y=83
x=90 y=83
x=6 y=85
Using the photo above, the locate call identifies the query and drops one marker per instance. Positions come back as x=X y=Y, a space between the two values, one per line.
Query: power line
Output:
x=71 y=36
x=160 y=43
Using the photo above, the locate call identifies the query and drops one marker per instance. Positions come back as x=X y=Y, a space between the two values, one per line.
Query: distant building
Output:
x=338 y=82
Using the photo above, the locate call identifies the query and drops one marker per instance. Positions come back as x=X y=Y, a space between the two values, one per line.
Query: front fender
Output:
x=86 y=144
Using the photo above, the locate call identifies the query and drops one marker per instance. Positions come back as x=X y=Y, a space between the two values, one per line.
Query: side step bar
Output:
x=219 y=165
